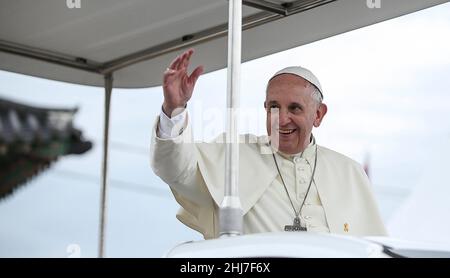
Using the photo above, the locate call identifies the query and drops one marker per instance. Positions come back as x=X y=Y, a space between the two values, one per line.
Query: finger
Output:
x=181 y=72
x=168 y=78
x=184 y=61
x=174 y=64
x=188 y=57
x=169 y=75
x=181 y=62
x=195 y=74
x=169 y=71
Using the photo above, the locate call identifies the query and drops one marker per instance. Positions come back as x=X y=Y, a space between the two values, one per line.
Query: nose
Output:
x=284 y=117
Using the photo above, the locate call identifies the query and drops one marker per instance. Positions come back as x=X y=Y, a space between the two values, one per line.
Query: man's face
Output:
x=291 y=113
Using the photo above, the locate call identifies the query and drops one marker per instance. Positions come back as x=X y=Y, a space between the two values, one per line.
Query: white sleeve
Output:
x=169 y=128
x=174 y=160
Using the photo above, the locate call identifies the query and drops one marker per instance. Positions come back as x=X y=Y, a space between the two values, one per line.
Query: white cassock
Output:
x=340 y=199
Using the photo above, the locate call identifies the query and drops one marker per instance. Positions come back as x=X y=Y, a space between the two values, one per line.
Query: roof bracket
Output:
x=286 y=8
x=267 y=6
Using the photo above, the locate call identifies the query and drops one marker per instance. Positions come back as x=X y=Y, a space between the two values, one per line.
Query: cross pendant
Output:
x=296 y=227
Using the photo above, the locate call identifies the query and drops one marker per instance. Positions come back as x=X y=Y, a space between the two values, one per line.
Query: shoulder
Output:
x=338 y=159
x=248 y=144
x=246 y=140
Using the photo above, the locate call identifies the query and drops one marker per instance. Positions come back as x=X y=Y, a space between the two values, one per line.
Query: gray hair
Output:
x=315 y=93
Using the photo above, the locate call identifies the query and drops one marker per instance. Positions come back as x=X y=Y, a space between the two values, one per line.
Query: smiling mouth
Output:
x=286 y=131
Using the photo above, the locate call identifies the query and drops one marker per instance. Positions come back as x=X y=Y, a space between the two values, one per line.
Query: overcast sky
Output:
x=387 y=90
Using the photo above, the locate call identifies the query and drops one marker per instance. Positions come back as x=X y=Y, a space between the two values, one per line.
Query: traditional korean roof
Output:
x=31 y=139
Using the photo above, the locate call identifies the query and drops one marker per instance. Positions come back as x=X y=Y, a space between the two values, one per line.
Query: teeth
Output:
x=286 y=131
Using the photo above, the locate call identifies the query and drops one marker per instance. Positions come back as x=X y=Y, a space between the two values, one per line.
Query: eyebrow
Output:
x=295 y=104
x=289 y=105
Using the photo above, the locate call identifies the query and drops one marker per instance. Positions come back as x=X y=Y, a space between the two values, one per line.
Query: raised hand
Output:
x=177 y=85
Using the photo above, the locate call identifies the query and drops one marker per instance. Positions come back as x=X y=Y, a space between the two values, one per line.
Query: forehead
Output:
x=288 y=87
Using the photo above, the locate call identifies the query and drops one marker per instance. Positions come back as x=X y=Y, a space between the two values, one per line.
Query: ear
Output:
x=320 y=114
x=265 y=105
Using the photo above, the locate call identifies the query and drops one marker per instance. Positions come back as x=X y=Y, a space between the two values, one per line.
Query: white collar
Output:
x=307 y=154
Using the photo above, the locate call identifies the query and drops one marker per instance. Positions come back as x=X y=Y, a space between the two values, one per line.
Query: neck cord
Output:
x=309 y=186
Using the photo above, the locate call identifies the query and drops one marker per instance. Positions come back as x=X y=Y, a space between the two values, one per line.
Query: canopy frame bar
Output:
x=49 y=56
x=185 y=41
x=190 y=40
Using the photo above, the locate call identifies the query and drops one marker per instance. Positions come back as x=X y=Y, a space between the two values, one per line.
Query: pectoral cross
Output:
x=296 y=227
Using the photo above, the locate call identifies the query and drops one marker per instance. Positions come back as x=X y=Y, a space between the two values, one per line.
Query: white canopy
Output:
x=105 y=35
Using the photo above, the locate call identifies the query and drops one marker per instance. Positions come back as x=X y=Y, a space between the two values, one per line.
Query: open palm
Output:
x=177 y=84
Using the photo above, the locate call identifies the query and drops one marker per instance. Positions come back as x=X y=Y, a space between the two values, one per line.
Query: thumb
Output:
x=195 y=74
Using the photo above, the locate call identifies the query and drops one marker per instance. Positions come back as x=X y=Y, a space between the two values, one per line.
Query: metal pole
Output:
x=230 y=217
x=104 y=193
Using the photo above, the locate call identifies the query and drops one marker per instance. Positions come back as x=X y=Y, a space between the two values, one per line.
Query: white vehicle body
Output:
x=307 y=245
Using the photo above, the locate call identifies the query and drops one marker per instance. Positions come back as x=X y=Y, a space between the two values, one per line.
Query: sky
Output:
x=387 y=91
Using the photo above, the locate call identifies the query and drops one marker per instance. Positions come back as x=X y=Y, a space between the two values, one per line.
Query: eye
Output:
x=272 y=106
x=295 y=108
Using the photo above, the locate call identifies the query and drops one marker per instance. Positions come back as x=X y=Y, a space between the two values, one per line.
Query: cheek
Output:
x=299 y=122
x=304 y=126
x=307 y=122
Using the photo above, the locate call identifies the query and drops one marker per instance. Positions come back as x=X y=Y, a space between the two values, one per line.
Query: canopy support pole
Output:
x=104 y=192
x=230 y=215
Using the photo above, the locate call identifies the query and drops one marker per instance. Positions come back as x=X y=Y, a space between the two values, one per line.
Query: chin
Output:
x=286 y=150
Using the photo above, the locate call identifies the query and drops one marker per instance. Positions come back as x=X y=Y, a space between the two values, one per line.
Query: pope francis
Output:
x=287 y=182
